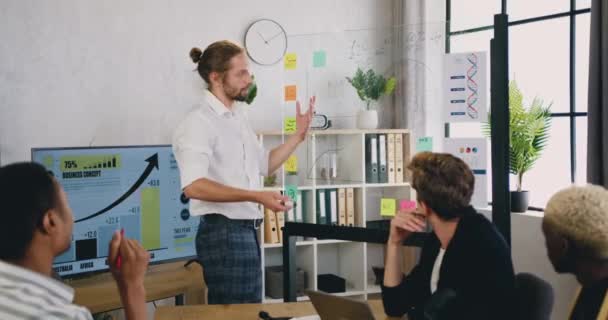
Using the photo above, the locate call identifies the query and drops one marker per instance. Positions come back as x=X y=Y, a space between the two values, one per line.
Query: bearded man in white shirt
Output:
x=221 y=163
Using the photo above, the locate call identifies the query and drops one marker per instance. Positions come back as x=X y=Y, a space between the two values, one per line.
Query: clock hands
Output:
x=276 y=35
x=259 y=34
x=271 y=38
x=268 y=31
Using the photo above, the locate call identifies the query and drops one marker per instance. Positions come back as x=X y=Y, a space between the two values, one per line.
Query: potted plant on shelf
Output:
x=370 y=88
x=528 y=136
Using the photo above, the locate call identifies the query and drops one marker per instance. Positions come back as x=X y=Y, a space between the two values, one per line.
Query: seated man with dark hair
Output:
x=465 y=261
x=576 y=234
x=36 y=226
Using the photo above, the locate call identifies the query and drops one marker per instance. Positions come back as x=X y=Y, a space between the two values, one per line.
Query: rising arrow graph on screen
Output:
x=152 y=163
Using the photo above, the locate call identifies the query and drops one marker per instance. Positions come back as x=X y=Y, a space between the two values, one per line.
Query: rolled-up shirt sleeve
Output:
x=192 y=147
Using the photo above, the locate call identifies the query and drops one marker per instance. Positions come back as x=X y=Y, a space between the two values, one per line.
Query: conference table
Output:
x=249 y=311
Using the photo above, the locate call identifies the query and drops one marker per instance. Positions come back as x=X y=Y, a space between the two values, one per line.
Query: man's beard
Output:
x=235 y=94
x=239 y=98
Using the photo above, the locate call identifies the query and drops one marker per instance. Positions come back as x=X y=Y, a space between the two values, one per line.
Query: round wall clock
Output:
x=266 y=42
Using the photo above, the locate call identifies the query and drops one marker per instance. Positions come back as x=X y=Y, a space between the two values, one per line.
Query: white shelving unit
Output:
x=350 y=260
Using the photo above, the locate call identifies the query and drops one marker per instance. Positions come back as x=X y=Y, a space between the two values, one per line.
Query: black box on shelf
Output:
x=274 y=282
x=331 y=283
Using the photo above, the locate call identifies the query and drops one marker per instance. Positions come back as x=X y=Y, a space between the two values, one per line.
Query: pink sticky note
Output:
x=407 y=204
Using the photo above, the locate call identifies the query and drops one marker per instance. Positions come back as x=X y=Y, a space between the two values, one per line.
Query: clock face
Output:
x=266 y=42
x=318 y=121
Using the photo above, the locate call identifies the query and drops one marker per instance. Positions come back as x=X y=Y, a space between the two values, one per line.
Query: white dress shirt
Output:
x=436 y=270
x=25 y=294
x=216 y=143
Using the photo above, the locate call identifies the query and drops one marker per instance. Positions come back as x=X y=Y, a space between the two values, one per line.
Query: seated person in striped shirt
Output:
x=36 y=227
x=575 y=226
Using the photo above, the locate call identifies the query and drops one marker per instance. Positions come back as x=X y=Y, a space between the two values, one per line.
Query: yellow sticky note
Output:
x=291 y=61
x=388 y=207
x=291 y=93
x=289 y=125
x=291 y=165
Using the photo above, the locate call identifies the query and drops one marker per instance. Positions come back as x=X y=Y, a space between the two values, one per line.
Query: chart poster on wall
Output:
x=466 y=87
x=132 y=188
x=474 y=152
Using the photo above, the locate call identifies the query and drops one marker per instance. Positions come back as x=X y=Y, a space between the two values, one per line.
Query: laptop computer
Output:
x=330 y=307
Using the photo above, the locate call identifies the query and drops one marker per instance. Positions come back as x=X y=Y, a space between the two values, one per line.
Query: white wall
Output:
x=530 y=255
x=115 y=72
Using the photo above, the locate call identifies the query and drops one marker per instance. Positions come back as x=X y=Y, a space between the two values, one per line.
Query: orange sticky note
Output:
x=291 y=93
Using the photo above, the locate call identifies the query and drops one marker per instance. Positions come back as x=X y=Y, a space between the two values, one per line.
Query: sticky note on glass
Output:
x=319 y=59
x=388 y=207
x=291 y=165
x=424 y=144
x=291 y=93
x=407 y=205
x=291 y=61
x=292 y=192
x=289 y=125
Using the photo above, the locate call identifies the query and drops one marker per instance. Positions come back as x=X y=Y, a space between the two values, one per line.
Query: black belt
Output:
x=215 y=218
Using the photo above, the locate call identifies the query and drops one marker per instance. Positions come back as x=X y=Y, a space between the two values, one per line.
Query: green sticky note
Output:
x=292 y=192
x=424 y=144
x=289 y=125
x=319 y=59
x=388 y=207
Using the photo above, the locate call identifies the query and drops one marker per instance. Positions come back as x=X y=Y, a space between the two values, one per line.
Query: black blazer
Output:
x=476 y=265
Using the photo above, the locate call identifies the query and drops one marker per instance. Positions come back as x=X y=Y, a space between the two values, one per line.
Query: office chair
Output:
x=534 y=297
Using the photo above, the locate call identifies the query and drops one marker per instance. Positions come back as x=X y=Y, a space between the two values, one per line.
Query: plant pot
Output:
x=367 y=119
x=520 y=201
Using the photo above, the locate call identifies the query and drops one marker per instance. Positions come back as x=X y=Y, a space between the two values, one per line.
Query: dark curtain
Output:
x=597 y=139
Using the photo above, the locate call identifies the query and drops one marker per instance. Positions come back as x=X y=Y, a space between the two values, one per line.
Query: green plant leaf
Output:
x=529 y=130
x=390 y=85
x=371 y=86
x=252 y=92
x=361 y=94
x=358 y=82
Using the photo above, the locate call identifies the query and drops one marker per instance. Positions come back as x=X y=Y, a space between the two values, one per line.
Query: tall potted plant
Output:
x=528 y=136
x=370 y=88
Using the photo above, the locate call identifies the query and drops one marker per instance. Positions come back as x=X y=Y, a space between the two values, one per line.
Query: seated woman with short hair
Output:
x=465 y=255
x=575 y=226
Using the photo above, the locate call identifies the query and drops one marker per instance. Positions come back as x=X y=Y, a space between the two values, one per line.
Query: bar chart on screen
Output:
x=131 y=188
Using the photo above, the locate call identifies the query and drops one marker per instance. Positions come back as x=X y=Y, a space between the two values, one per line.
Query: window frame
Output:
x=573 y=13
